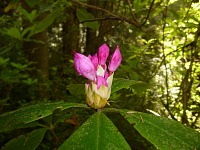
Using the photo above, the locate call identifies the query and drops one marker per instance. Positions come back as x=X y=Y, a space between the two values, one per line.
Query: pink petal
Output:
x=103 y=54
x=101 y=80
x=84 y=66
x=94 y=60
x=115 y=60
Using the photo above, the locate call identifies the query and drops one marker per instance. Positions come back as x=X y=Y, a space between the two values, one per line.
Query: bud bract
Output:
x=97 y=97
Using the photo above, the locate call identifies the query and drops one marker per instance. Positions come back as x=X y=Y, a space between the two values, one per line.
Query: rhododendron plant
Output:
x=100 y=76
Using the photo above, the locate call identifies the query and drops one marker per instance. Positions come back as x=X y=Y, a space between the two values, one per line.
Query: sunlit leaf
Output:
x=195 y=109
x=164 y=133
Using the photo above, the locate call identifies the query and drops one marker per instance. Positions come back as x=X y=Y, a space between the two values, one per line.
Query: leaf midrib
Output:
x=98 y=128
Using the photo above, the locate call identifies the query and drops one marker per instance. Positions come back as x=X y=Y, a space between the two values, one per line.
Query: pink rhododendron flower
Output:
x=103 y=54
x=94 y=60
x=94 y=68
x=84 y=66
x=115 y=60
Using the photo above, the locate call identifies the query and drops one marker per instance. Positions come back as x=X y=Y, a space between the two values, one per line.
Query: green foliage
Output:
x=87 y=19
x=12 y=72
x=18 y=118
x=45 y=23
x=120 y=83
x=13 y=32
x=98 y=132
x=162 y=132
x=26 y=142
x=29 y=16
x=73 y=88
x=159 y=72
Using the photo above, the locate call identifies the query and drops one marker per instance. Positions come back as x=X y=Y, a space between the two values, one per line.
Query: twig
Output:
x=148 y=14
x=120 y=17
x=98 y=19
x=164 y=56
x=132 y=14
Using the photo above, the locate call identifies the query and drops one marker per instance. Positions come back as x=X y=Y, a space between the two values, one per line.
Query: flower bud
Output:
x=98 y=97
x=94 y=60
x=103 y=54
x=115 y=60
x=84 y=66
x=100 y=77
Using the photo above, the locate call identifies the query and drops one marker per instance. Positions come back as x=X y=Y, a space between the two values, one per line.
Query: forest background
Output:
x=158 y=39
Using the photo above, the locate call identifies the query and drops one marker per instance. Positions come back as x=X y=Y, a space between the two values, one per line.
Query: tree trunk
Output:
x=38 y=54
x=91 y=38
x=70 y=34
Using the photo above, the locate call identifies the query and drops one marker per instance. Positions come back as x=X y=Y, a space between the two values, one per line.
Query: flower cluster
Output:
x=100 y=76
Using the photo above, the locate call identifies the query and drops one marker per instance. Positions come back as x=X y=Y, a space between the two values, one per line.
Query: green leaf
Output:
x=195 y=109
x=164 y=133
x=30 y=81
x=29 y=16
x=138 y=5
x=76 y=89
x=120 y=83
x=10 y=76
x=4 y=61
x=97 y=133
x=26 y=142
x=26 y=30
x=32 y=3
x=19 y=66
x=45 y=23
x=17 y=118
x=13 y=32
x=87 y=18
x=174 y=13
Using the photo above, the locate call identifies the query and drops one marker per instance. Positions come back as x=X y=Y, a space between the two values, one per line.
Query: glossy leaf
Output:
x=26 y=142
x=120 y=83
x=97 y=133
x=18 y=118
x=164 y=133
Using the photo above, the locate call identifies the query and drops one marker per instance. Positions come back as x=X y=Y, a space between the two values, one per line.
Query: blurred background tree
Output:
x=159 y=41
